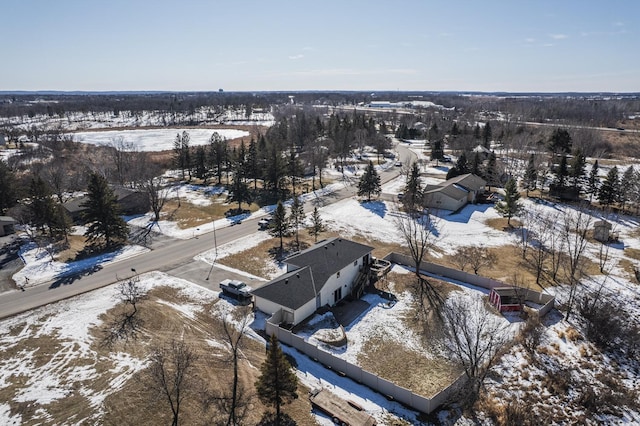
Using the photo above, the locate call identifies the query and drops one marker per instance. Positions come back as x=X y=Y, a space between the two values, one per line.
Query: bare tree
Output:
x=420 y=232
x=541 y=228
x=236 y=405
x=474 y=337
x=123 y=155
x=575 y=226
x=158 y=194
x=127 y=323
x=477 y=257
x=170 y=374
x=56 y=174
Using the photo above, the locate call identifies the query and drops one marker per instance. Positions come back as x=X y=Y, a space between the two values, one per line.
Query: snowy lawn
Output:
x=40 y=268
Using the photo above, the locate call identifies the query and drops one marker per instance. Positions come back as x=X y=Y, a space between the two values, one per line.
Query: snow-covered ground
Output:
x=40 y=268
x=374 y=220
x=69 y=323
x=155 y=139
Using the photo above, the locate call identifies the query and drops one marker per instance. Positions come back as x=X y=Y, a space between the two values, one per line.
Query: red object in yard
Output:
x=505 y=299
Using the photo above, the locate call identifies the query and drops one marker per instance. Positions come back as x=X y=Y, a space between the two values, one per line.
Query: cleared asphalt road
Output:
x=165 y=258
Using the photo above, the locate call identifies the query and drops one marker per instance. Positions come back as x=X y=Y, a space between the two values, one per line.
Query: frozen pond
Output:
x=155 y=139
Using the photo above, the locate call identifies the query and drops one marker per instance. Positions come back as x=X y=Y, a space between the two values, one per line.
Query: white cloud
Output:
x=558 y=36
x=530 y=40
x=296 y=57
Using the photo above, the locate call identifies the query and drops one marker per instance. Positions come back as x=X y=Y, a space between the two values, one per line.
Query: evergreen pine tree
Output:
x=510 y=206
x=437 y=152
x=252 y=163
x=369 y=183
x=491 y=171
x=200 y=164
x=476 y=164
x=627 y=183
x=530 y=175
x=103 y=214
x=218 y=154
x=562 y=172
x=41 y=207
x=296 y=217
x=240 y=192
x=610 y=188
x=181 y=153
x=593 y=181
x=476 y=131
x=278 y=382
x=455 y=131
x=486 y=135
x=412 y=188
x=462 y=165
x=316 y=224
x=279 y=225
x=560 y=142
x=576 y=171
x=8 y=187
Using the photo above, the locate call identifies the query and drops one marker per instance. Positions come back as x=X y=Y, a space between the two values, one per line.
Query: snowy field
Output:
x=349 y=217
x=155 y=139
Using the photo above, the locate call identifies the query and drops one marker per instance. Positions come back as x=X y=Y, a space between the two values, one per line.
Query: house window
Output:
x=338 y=274
x=355 y=263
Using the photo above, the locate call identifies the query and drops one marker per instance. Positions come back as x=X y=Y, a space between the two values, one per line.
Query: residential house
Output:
x=131 y=202
x=323 y=274
x=455 y=193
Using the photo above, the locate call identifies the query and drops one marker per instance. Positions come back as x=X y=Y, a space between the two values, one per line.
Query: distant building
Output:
x=7 y=224
x=381 y=104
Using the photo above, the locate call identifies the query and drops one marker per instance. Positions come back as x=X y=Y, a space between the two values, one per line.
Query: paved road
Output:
x=168 y=257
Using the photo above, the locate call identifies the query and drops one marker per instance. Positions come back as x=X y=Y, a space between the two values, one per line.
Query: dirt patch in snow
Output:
x=54 y=371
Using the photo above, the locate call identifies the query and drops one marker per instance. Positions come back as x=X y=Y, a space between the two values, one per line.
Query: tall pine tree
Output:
x=412 y=188
x=593 y=181
x=316 y=224
x=576 y=169
x=8 y=187
x=510 y=206
x=296 y=217
x=610 y=188
x=627 y=183
x=102 y=213
x=279 y=225
x=369 y=182
x=278 y=383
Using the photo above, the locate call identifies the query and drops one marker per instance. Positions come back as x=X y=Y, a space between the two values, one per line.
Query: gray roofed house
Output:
x=321 y=275
x=131 y=202
x=454 y=193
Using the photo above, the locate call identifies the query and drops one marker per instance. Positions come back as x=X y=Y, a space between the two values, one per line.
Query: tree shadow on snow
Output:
x=376 y=207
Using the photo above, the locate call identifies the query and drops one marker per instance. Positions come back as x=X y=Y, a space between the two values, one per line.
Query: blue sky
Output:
x=242 y=45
